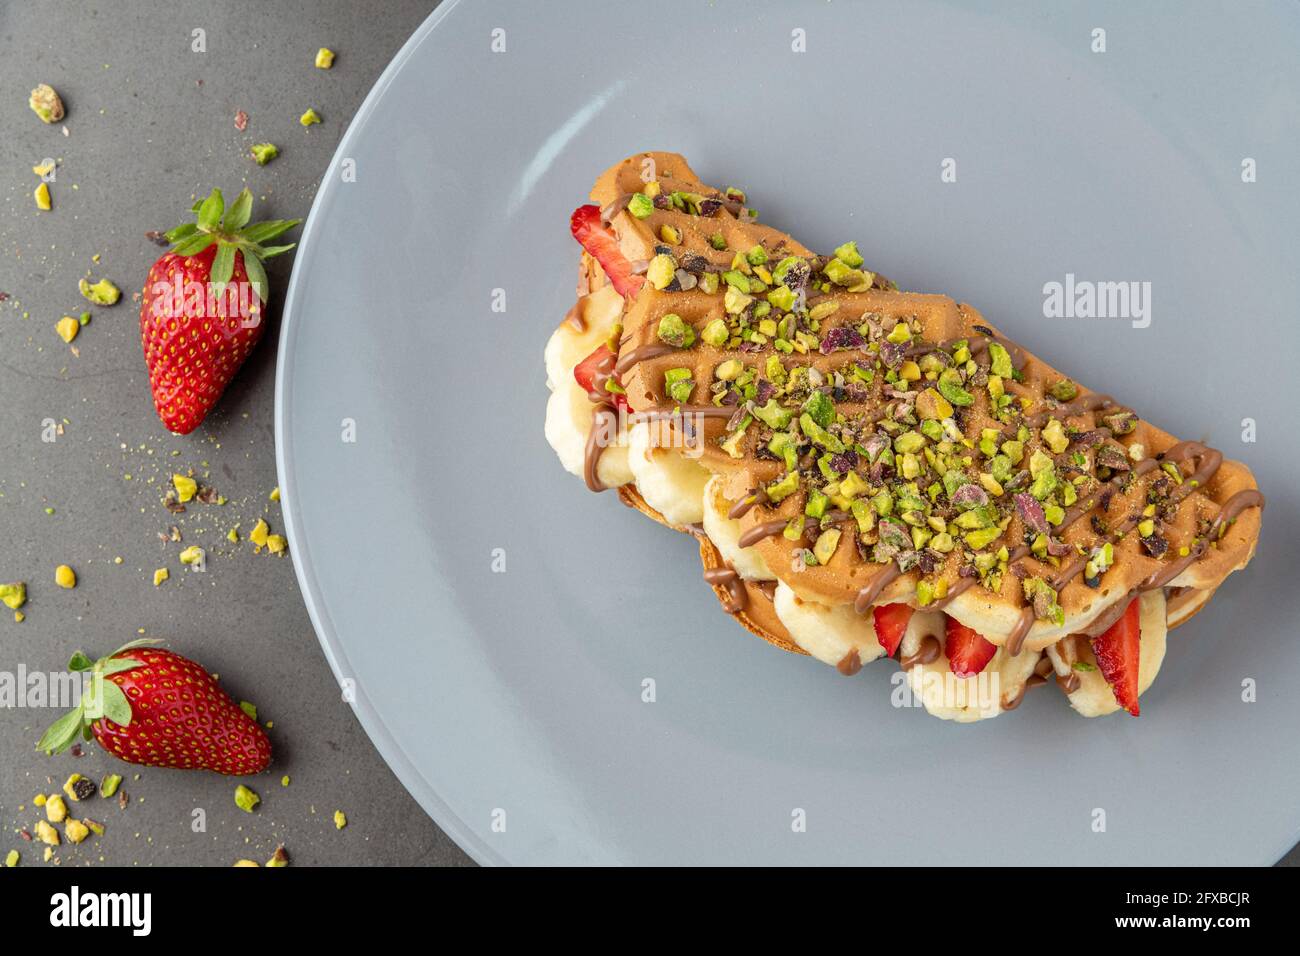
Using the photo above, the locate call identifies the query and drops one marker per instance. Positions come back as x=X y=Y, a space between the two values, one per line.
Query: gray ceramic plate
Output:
x=516 y=698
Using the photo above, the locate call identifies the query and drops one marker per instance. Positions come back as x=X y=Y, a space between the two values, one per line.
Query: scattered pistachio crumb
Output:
x=340 y=820
x=102 y=292
x=248 y=708
x=65 y=577
x=46 y=104
x=309 y=118
x=263 y=153
x=246 y=799
x=324 y=58
x=275 y=493
x=12 y=858
x=284 y=781
x=42 y=195
x=161 y=575
x=67 y=328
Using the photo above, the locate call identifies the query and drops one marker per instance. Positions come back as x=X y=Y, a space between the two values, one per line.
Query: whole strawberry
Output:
x=153 y=707
x=204 y=305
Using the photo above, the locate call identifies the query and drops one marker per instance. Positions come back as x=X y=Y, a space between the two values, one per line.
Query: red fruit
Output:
x=592 y=372
x=1118 y=652
x=602 y=245
x=161 y=710
x=968 y=652
x=203 y=307
x=891 y=621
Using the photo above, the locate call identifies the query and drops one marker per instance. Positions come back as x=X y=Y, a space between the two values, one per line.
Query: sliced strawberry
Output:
x=592 y=373
x=599 y=240
x=968 y=652
x=1118 y=651
x=891 y=621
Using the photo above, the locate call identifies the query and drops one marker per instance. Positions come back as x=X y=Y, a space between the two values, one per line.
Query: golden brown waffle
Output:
x=994 y=605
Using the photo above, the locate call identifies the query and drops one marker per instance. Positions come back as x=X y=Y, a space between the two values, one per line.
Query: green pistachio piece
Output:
x=841 y=274
x=756 y=256
x=102 y=292
x=246 y=799
x=883 y=503
x=729 y=370
x=1000 y=361
x=863 y=514
x=827 y=542
x=715 y=333
x=263 y=153
x=13 y=595
x=821 y=408
x=816 y=504
x=1014 y=450
x=794 y=528
x=931 y=405
x=1064 y=390
x=981 y=538
x=782 y=297
x=899 y=334
x=773 y=415
x=675 y=332
x=853 y=485
x=717 y=241
x=849 y=255
x=819 y=435
x=823 y=310
x=735 y=301
x=709 y=283
x=933 y=430
x=661 y=271
x=1054 y=513
x=1054 y=435
x=950 y=387
x=678 y=384
x=909 y=442
x=783 y=488
x=641 y=205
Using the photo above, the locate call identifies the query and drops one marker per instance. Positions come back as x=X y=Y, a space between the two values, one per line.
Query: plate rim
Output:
x=286 y=468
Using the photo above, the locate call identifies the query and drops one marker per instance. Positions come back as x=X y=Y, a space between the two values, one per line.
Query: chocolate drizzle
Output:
x=765 y=529
x=927 y=653
x=727 y=578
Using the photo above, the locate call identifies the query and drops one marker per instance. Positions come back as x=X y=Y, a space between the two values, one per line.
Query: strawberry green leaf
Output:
x=223 y=266
x=197 y=206
x=118 y=664
x=182 y=231
x=116 y=707
x=265 y=231
x=211 y=210
x=269 y=251
x=61 y=733
x=80 y=662
x=194 y=244
x=257 y=276
x=240 y=210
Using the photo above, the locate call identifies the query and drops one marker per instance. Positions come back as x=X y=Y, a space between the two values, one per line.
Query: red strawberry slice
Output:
x=600 y=242
x=891 y=621
x=592 y=373
x=1118 y=651
x=968 y=652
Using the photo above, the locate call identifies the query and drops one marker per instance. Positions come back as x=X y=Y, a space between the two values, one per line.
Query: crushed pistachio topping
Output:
x=324 y=58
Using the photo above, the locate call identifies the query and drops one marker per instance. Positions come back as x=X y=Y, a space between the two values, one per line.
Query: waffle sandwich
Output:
x=873 y=473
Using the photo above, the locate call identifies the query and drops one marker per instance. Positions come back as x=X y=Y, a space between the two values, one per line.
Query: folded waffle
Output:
x=848 y=454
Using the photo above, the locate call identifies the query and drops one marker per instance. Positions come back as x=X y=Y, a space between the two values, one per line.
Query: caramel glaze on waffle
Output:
x=959 y=471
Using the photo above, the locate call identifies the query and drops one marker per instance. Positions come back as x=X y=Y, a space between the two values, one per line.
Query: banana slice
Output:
x=962 y=699
x=830 y=634
x=670 y=482
x=724 y=532
x=1094 y=698
x=569 y=413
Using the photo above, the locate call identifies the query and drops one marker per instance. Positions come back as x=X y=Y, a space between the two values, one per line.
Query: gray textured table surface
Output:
x=150 y=124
